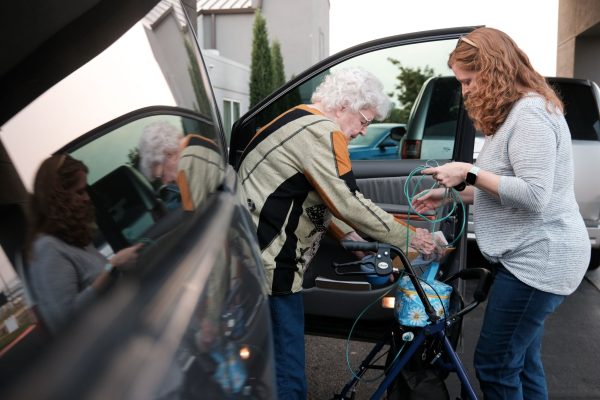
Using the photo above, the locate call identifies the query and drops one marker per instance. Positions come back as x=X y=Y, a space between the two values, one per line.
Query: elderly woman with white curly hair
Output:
x=159 y=149
x=298 y=179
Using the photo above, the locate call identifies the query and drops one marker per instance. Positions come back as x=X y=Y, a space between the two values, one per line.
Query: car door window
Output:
x=581 y=110
x=133 y=173
x=433 y=131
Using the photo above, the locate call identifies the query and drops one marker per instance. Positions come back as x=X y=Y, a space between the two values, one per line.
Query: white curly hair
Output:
x=157 y=139
x=355 y=88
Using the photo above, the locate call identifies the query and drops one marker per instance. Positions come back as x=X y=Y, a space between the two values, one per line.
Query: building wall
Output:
x=229 y=80
x=234 y=36
x=578 y=50
x=301 y=27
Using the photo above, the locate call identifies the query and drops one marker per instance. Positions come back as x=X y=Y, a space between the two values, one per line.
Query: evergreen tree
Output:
x=261 y=67
x=278 y=69
x=407 y=89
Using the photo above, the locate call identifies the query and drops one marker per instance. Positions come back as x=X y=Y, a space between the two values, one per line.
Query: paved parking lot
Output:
x=571 y=351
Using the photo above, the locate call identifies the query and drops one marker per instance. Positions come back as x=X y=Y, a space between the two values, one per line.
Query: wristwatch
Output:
x=472 y=175
x=111 y=269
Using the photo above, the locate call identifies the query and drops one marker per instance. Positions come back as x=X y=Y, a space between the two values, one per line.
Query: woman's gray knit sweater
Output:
x=535 y=229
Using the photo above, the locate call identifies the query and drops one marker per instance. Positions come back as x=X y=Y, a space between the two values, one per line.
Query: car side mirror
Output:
x=397 y=133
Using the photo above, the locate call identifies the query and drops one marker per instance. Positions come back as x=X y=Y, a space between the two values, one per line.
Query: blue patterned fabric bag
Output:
x=409 y=309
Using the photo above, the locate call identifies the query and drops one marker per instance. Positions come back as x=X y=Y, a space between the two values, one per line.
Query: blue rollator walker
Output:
x=445 y=359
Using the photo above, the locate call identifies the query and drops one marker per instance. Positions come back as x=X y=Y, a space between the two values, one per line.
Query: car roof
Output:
x=42 y=42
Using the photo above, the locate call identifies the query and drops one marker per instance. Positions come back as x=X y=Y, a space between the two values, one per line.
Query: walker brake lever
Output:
x=348 y=264
x=367 y=262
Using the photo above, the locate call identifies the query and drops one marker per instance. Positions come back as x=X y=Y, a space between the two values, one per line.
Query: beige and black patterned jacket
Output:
x=296 y=173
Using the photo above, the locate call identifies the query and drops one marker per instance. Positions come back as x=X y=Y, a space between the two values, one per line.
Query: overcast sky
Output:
x=531 y=23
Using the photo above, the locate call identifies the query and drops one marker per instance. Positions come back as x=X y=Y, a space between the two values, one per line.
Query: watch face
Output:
x=471 y=178
x=472 y=175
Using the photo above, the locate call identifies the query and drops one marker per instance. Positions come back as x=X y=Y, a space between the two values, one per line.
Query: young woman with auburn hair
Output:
x=527 y=221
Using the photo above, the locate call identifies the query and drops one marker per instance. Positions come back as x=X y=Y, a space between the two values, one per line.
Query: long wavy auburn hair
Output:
x=55 y=208
x=504 y=75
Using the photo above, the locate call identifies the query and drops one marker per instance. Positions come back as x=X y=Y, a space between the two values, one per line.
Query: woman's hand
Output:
x=126 y=258
x=428 y=200
x=356 y=238
x=450 y=174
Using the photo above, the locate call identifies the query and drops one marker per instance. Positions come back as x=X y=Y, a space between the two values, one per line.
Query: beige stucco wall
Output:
x=577 y=17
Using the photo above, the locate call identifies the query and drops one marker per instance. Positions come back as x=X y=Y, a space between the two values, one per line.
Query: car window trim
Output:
x=136 y=115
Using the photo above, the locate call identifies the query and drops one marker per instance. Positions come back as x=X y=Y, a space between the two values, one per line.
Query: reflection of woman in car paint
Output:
x=159 y=149
x=200 y=170
x=527 y=219
x=65 y=271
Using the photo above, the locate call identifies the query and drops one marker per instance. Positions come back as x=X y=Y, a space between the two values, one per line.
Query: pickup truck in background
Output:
x=432 y=125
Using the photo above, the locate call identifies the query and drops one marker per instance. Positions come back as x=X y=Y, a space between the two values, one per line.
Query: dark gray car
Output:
x=193 y=319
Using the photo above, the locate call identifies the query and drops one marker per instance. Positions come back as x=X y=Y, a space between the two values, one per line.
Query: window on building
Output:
x=231 y=113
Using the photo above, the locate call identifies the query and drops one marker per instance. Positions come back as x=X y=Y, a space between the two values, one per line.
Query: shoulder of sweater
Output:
x=44 y=240
x=530 y=100
x=533 y=104
x=320 y=120
x=320 y=125
x=536 y=103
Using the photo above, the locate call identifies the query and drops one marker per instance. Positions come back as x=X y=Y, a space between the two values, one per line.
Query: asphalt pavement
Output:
x=571 y=352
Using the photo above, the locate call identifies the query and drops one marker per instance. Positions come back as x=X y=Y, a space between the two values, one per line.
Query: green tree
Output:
x=407 y=88
x=286 y=102
x=261 y=67
x=277 y=61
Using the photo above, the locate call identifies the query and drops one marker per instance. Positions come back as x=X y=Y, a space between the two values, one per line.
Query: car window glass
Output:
x=398 y=68
x=439 y=128
x=478 y=145
x=133 y=173
x=581 y=110
x=374 y=135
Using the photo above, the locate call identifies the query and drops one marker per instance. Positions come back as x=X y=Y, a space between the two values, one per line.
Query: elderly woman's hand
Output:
x=423 y=242
x=356 y=238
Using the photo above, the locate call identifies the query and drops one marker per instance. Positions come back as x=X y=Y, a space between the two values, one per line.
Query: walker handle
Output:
x=360 y=246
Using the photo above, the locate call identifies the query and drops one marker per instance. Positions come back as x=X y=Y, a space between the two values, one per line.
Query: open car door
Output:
x=437 y=131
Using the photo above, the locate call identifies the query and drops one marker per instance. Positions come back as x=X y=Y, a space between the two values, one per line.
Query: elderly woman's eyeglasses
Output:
x=366 y=122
